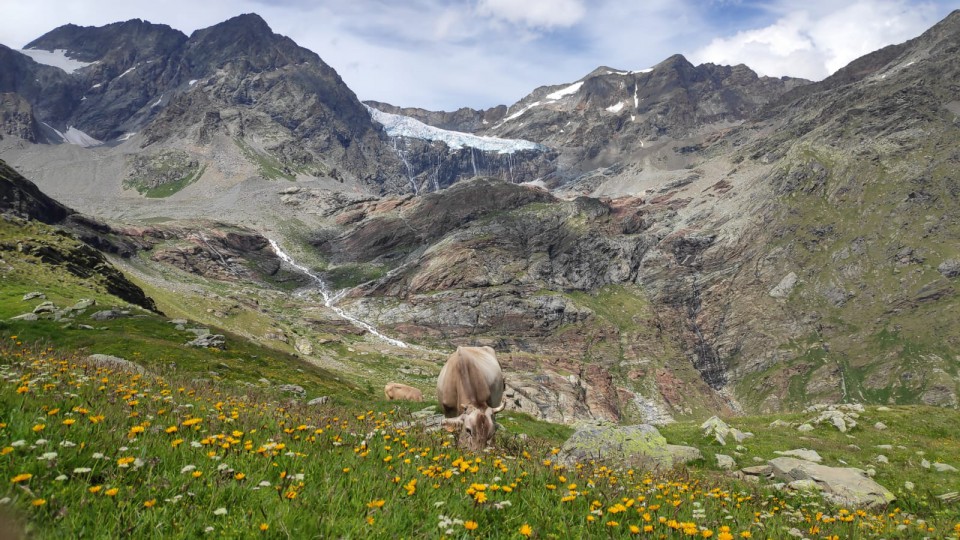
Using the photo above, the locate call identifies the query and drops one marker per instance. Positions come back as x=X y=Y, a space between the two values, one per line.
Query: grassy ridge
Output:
x=108 y=452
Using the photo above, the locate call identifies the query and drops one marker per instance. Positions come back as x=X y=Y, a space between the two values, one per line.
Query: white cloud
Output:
x=820 y=38
x=535 y=13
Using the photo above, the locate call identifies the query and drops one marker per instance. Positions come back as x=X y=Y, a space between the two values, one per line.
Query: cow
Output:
x=470 y=390
x=395 y=390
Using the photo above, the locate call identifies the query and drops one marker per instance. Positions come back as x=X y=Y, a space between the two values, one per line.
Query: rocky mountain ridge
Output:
x=712 y=240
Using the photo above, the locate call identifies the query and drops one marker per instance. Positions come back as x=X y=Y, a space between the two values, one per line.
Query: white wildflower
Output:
x=222 y=466
x=41 y=442
x=195 y=444
x=18 y=444
x=264 y=483
x=61 y=478
x=188 y=468
x=48 y=456
x=68 y=444
x=97 y=455
x=220 y=511
x=81 y=470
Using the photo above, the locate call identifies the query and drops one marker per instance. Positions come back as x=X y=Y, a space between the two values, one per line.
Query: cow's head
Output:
x=476 y=425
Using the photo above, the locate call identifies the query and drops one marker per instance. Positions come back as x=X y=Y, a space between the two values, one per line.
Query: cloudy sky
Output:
x=444 y=54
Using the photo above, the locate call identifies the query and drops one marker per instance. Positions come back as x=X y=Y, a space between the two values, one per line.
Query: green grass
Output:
x=270 y=167
x=168 y=189
x=922 y=432
x=96 y=451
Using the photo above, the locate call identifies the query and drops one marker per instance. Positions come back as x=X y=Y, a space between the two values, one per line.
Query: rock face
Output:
x=843 y=486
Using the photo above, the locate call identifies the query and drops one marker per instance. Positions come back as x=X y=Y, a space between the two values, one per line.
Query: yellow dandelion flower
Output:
x=239 y=476
x=370 y=520
x=52 y=412
x=171 y=429
x=94 y=489
x=634 y=529
x=38 y=428
x=111 y=492
x=125 y=461
x=197 y=474
x=526 y=530
x=264 y=527
x=291 y=494
x=746 y=534
x=470 y=525
x=22 y=477
x=176 y=442
x=612 y=523
x=376 y=503
x=23 y=389
x=6 y=450
x=39 y=502
x=150 y=504
x=69 y=421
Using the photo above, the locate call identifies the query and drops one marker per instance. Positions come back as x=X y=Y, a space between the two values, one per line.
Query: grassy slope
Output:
x=112 y=454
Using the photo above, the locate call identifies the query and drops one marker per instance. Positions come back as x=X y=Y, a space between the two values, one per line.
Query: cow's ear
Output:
x=452 y=424
x=463 y=407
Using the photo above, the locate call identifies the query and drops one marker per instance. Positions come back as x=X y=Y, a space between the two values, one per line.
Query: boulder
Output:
x=943 y=467
x=684 y=454
x=293 y=389
x=803 y=428
x=802 y=453
x=25 y=317
x=726 y=462
x=880 y=426
x=45 y=307
x=785 y=287
x=115 y=362
x=719 y=430
x=81 y=305
x=950 y=268
x=304 y=346
x=843 y=486
x=34 y=294
x=779 y=423
x=322 y=400
x=640 y=446
x=209 y=341
x=107 y=314
x=758 y=470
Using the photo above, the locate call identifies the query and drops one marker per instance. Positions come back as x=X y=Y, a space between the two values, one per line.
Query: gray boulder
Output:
x=802 y=453
x=785 y=287
x=843 y=486
x=45 y=307
x=726 y=462
x=34 y=294
x=943 y=467
x=684 y=454
x=322 y=400
x=26 y=317
x=950 y=268
x=107 y=314
x=640 y=446
x=293 y=389
x=115 y=362
x=209 y=341
x=81 y=305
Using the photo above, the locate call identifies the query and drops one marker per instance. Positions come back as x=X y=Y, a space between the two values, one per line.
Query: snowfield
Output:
x=403 y=126
x=56 y=58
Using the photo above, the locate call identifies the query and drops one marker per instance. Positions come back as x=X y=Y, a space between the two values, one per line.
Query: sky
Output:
x=446 y=54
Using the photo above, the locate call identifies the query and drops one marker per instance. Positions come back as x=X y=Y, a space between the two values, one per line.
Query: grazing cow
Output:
x=395 y=390
x=470 y=389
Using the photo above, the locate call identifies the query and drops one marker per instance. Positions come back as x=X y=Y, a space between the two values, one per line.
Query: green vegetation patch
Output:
x=161 y=175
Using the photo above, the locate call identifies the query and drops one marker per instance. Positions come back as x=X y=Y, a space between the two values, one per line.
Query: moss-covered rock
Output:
x=640 y=446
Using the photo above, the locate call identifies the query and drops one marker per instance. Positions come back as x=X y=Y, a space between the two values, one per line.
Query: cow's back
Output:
x=471 y=376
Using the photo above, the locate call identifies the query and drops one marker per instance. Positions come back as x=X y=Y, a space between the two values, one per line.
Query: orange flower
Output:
x=526 y=530
x=150 y=503
x=22 y=477
x=470 y=525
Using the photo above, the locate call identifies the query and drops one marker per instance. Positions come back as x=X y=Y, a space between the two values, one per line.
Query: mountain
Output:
x=649 y=244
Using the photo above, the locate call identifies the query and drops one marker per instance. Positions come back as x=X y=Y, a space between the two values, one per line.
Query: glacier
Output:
x=397 y=125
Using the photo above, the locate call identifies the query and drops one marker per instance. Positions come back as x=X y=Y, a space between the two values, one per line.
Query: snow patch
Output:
x=517 y=114
x=192 y=82
x=616 y=108
x=157 y=102
x=98 y=85
x=125 y=72
x=75 y=136
x=572 y=89
x=126 y=136
x=56 y=58
x=403 y=126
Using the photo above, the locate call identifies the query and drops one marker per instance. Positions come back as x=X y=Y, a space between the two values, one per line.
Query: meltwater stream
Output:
x=330 y=299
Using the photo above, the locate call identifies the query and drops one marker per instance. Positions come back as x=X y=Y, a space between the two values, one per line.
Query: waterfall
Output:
x=403 y=157
x=473 y=160
x=330 y=299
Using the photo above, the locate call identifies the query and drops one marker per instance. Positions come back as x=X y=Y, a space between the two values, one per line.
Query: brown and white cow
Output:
x=470 y=390
x=395 y=390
